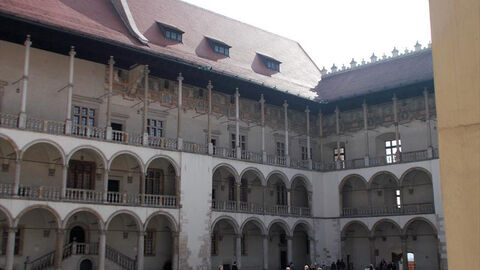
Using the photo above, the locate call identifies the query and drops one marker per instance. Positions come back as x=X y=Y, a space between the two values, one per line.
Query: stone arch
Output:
x=282 y=224
x=394 y=177
x=385 y=220
x=306 y=181
x=402 y=178
x=45 y=141
x=306 y=224
x=257 y=223
x=39 y=206
x=7 y=214
x=169 y=159
x=127 y=152
x=353 y=222
x=135 y=217
x=84 y=209
x=282 y=175
x=12 y=144
x=230 y=168
x=167 y=215
x=422 y=219
x=88 y=147
x=229 y=220
x=348 y=177
x=257 y=171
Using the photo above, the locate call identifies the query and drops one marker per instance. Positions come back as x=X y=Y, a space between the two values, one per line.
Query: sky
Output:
x=335 y=31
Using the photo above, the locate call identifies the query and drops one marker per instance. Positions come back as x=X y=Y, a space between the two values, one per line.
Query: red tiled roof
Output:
x=98 y=18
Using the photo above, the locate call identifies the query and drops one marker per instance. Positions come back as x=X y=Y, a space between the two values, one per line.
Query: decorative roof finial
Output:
x=395 y=52
x=334 y=68
x=373 y=58
x=430 y=45
x=344 y=67
x=418 y=46
x=384 y=56
x=353 y=63
x=363 y=61
x=406 y=51
x=323 y=71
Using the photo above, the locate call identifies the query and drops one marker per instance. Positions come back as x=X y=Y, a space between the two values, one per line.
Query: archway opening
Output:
x=122 y=238
x=385 y=194
x=124 y=177
x=276 y=198
x=277 y=247
x=224 y=189
x=158 y=242
x=160 y=185
x=8 y=155
x=422 y=241
x=354 y=196
x=387 y=243
x=252 y=246
x=356 y=245
x=417 y=193
x=251 y=192
x=301 y=246
x=223 y=244
x=77 y=234
x=85 y=168
x=300 y=197
x=86 y=265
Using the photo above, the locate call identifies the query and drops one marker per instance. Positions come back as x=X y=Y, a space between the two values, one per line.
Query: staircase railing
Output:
x=43 y=262
x=119 y=258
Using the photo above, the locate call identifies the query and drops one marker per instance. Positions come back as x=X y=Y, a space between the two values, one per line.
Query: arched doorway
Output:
x=421 y=245
x=223 y=243
x=417 y=192
x=224 y=189
x=86 y=265
x=77 y=234
x=354 y=196
x=356 y=245
x=278 y=246
x=276 y=199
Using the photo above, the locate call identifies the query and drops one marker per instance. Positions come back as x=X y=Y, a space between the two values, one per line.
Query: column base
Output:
x=22 y=120
x=210 y=148
x=68 y=127
x=108 y=133
x=179 y=144
x=367 y=161
x=145 y=139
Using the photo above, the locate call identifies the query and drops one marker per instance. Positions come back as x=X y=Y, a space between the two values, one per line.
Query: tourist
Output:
x=234 y=266
x=333 y=266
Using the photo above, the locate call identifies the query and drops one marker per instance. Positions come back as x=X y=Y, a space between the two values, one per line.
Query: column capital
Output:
x=141 y=233
x=180 y=77
x=72 y=51
x=364 y=104
x=12 y=229
x=394 y=98
x=289 y=237
x=237 y=94
x=111 y=61
x=262 y=100
x=102 y=231
x=209 y=85
x=307 y=110
x=28 y=42
x=337 y=110
x=285 y=104
x=146 y=70
x=60 y=231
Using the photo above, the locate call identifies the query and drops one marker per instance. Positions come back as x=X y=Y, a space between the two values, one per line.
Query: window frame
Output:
x=391 y=149
x=280 y=151
x=152 y=246
x=78 y=116
x=157 y=128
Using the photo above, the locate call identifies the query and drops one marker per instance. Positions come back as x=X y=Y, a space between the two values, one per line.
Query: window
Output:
x=149 y=243
x=221 y=49
x=272 y=64
x=83 y=116
x=391 y=150
x=172 y=35
x=243 y=142
x=340 y=155
x=244 y=244
x=281 y=195
x=154 y=128
x=18 y=235
x=214 y=244
x=304 y=153
x=397 y=195
x=154 y=182
x=280 y=149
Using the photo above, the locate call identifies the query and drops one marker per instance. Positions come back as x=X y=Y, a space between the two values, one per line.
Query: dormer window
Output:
x=270 y=62
x=171 y=32
x=219 y=47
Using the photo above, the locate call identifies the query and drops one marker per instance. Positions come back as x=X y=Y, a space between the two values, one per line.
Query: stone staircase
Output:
x=47 y=261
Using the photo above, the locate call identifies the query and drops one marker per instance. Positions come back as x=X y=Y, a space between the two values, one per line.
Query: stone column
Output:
x=68 y=122
x=179 y=114
x=395 y=120
x=372 y=250
x=10 y=252
x=209 y=113
x=18 y=171
x=111 y=62
x=365 y=128
x=289 y=249
x=320 y=134
x=64 y=181
x=146 y=71
x=337 y=122
x=140 y=247
x=428 y=125
x=311 y=243
x=309 y=158
x=404 y=252
x=262 y=112
x=237 y=194
x=237 y=124
x=105 y=185
x=265 y=252
x=175 y=252
x=285 y=109
x=59 y=249
x=289 y=200
x=102 y=242
x=238 y=250
x=22 y=118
